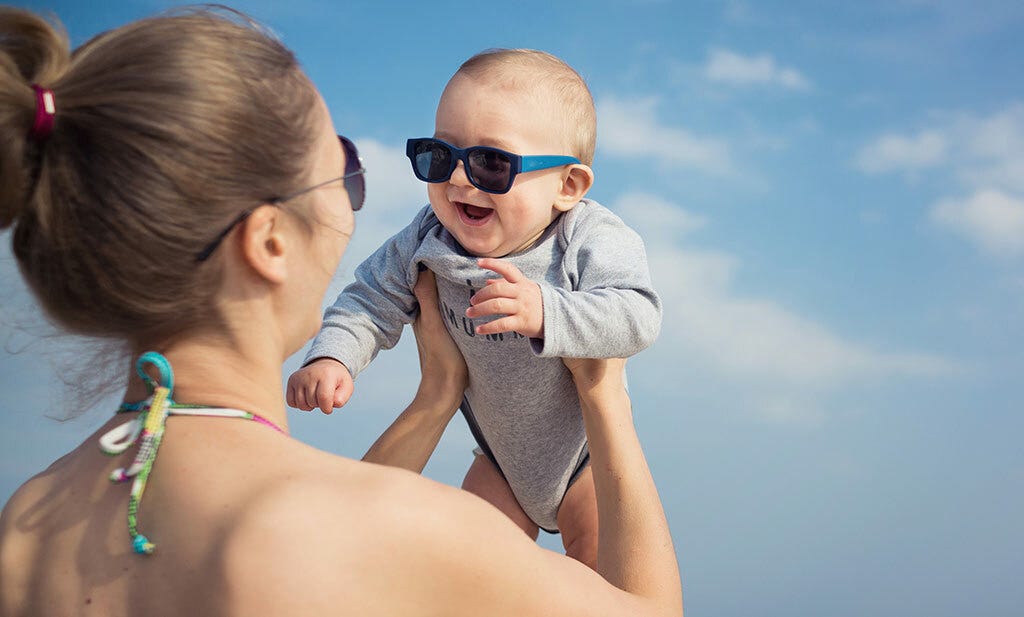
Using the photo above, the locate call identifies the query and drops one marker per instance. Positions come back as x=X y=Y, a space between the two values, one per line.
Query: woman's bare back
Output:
x=64 y=542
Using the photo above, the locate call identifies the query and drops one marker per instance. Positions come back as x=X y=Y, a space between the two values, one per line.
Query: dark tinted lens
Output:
x=355 y=184
x=490 y=169
x=433 y=161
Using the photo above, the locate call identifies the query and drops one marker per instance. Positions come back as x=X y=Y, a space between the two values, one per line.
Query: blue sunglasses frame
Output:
x=517 y=163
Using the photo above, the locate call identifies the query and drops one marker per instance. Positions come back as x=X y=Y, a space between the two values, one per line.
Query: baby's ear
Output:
x=576 y=181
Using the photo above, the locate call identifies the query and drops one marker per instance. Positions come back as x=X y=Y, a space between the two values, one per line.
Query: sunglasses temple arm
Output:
x=533 y=163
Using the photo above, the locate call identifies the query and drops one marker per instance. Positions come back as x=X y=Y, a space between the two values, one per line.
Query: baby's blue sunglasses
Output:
x=489 y=169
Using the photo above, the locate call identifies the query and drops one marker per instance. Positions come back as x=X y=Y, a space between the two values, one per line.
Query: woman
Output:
x=177 y=185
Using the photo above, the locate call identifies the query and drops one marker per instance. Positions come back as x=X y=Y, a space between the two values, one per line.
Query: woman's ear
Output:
x=264 y=243
x=575 y=183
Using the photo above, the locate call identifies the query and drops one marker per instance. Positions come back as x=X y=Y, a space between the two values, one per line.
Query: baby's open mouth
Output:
x=474 y=213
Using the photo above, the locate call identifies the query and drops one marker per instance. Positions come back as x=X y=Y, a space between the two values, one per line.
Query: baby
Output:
x=508 y=168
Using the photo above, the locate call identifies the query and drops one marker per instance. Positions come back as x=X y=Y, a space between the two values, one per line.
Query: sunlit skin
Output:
x=246 y=519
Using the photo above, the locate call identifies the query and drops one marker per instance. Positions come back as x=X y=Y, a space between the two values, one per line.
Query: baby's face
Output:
x=478 y=113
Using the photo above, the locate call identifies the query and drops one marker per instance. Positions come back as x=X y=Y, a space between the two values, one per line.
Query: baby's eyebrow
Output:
x=448 y=138
x=500 y=144
x=490 y=142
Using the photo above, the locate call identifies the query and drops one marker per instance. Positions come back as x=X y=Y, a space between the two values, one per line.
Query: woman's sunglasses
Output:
x=353 y=178
x=489 y=169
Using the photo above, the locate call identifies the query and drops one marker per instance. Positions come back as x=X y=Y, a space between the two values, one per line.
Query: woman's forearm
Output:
x=635 y=551
x=411 y=439
x=413 y=436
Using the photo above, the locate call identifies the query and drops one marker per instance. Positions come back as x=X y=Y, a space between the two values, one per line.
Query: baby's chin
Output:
x=481 y=253
x=475 y=249
x=499 y=252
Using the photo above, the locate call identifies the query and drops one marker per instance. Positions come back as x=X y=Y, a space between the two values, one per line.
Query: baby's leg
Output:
x=484 y=480
x=577 y=520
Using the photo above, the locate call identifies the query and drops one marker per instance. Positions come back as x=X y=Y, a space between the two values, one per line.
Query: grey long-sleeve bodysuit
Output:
x=598 y=303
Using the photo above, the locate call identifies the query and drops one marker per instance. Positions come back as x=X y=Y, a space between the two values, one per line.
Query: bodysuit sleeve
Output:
x=369 y=314
x=612 y=310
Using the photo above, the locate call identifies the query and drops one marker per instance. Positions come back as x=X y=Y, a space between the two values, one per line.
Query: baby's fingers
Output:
x=512 y=323
x=324 y=397
x=289 y=395
x=501 y=267
x=496 y=306
x=296 y=395
x=495 y=288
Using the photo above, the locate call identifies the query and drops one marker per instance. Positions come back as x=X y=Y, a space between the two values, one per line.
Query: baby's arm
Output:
x=612 y=310
x=367 y=316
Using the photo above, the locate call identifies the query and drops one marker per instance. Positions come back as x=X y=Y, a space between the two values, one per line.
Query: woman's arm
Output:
x=635 y=550
x=461 y=556
x=413 y=436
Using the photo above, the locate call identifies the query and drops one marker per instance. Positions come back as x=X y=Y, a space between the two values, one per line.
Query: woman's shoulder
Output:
x=343 y=534
x=329 y=533
x=380 y=540
x=38 y=490
x=314 y=485
x=44 y=502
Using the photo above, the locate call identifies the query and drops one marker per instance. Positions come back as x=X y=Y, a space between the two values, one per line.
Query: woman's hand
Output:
x=593 y=376
x=413 y=436
x=443 y=370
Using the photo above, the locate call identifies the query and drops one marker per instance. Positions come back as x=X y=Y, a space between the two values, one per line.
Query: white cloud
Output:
x=630 y=128
x=984 y=154
x=755 y=338
x=991 y=219
x=981 y=152
x=778 y=362
x=994 y=149
x=1000 y=135
x=898 y=153
x=735 y=69
x=663 y=221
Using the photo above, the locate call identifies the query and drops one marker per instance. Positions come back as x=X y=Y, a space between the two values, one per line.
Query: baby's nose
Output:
x=459 y=177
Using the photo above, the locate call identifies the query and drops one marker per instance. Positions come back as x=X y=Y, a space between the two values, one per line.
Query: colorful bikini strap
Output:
x=151 y=424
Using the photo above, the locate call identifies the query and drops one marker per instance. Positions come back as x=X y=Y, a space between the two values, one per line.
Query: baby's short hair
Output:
x=566 y=86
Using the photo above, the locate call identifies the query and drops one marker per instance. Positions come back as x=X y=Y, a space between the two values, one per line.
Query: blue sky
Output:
x=832 y=197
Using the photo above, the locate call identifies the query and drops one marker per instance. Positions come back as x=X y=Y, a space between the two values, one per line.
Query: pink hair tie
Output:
x=46 y=110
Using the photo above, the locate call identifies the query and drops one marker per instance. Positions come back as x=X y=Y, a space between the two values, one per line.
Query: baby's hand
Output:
x=323 y=383
x=512 y=295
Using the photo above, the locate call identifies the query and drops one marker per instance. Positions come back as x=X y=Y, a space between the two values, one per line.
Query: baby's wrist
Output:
x=324 y=360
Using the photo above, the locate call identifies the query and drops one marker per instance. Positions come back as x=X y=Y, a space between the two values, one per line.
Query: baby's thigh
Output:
x=577 y=519
x=485 y=481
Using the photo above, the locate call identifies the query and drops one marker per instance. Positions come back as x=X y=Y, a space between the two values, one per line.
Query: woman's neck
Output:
x=221 y=375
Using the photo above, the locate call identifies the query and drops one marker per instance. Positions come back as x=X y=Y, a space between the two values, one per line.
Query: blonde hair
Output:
x=165 y=130
x=533 y=69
